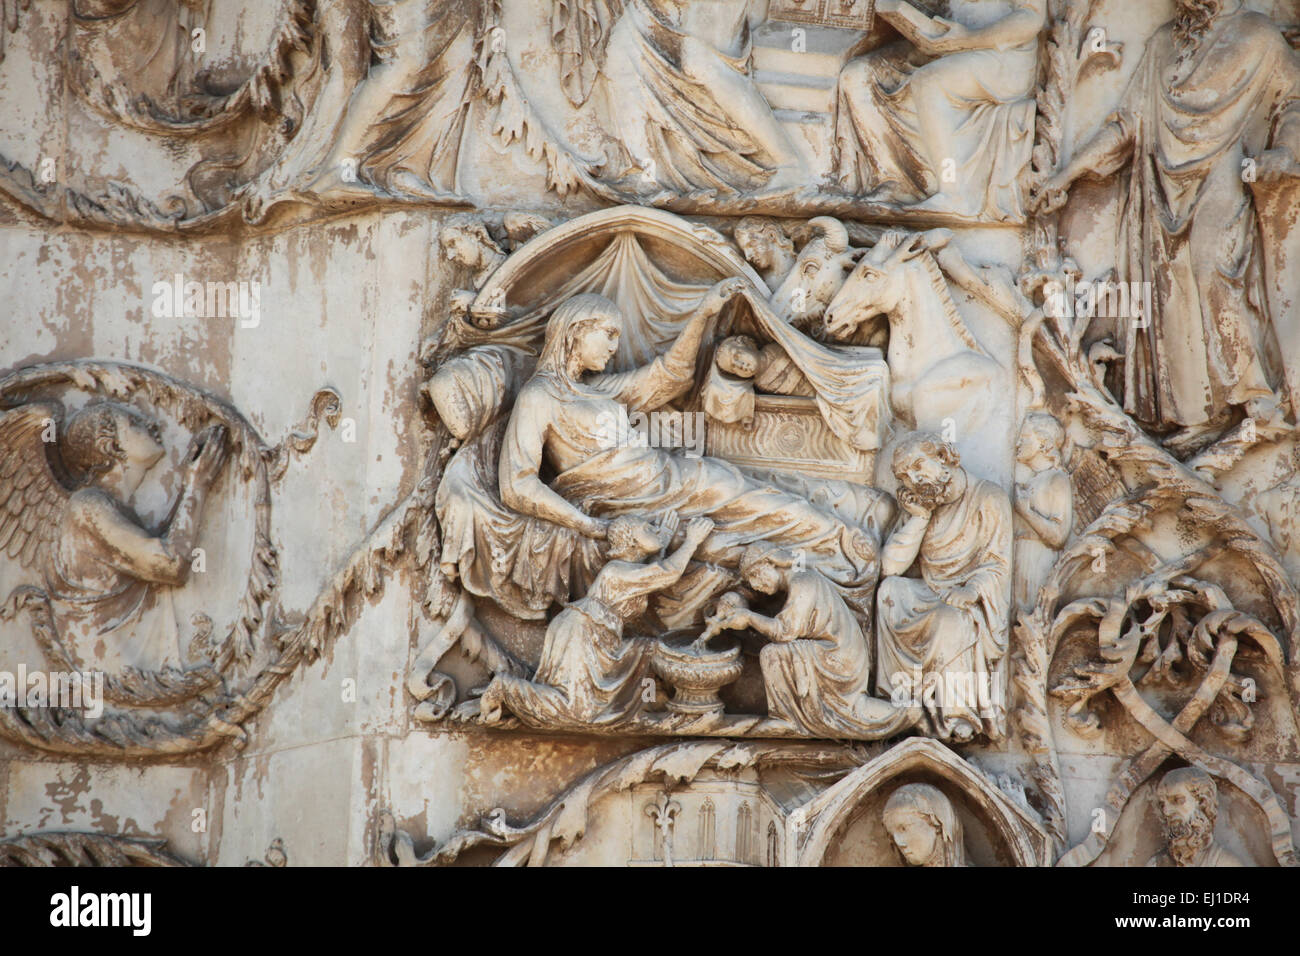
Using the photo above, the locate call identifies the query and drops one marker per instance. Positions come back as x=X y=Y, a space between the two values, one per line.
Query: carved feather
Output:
x=1096 y=485
x=32 y=501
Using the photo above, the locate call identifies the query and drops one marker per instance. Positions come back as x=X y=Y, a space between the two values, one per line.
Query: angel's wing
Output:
x=1096 y=485
x=32 y=501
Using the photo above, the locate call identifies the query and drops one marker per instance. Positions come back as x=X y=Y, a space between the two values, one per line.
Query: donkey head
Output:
x=879 y=282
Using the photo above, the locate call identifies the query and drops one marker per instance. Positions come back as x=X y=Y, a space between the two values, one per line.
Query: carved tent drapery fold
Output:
x=654 y=305
x=521 y=286
x=851 y=382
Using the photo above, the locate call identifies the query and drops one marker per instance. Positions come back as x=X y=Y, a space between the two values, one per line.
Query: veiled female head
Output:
x=924 y=826
x=582 y=336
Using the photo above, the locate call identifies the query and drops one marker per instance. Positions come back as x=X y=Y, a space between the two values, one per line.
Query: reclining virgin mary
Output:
x=559 y=427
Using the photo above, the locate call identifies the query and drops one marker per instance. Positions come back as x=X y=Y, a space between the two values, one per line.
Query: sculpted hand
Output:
x=946 y=36
x=668 y=526
x=1051 y=195
x=728 y=612
x=913 y=505
x=726 y=619
x=963 y=597
x=597 y=528
x=722 y=293
x=698 y=530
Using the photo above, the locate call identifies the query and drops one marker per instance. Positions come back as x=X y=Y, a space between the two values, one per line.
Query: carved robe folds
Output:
x=108 y=616
x=1189 y=227
x=931 y=645
x=588 y=675
x=820 y=680
x=686 y=109
x=907 y=124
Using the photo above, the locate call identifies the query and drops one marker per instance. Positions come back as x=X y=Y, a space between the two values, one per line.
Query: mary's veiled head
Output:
x=924 y=826
x=582 y=336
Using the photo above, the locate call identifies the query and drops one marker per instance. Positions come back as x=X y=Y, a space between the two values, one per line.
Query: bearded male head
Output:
x=1189 y=808
x=1192 y=21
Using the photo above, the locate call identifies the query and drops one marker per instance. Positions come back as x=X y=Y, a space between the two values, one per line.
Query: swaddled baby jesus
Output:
x=740 y=367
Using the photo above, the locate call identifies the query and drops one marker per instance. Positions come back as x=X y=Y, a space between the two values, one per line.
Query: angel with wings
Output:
x=107 y=577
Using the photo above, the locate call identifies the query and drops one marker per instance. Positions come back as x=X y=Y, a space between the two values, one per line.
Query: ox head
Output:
x=818 y=272
x=878 y=283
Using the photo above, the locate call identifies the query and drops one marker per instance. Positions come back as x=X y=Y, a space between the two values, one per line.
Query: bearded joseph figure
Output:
x=943 y=635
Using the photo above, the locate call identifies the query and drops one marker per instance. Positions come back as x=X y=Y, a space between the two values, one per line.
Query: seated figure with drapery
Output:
x=557 y=424
x=944 y=121
x=942 y=637
x=548 y=460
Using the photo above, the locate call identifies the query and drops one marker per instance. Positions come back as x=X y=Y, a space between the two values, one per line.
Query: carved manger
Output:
x=788 y=433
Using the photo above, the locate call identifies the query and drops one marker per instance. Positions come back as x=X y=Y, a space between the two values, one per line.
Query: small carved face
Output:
x=139 y=442
x=1033 y=445
x=926 y=475
x=914 y=834
x=758 y=248
x=634 y=540
x=764 y=577
x=738 y=357
x=596 y=345
x=460 y=247
x=1188 y=824
x=1178 y=805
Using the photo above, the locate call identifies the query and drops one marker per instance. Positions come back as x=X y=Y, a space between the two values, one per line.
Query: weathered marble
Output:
x=650 y=433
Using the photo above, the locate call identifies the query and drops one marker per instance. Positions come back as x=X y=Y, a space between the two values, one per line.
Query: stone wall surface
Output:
x=650 y=432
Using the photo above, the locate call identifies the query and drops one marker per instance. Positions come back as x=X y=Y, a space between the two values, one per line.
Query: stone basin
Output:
x=696 y=674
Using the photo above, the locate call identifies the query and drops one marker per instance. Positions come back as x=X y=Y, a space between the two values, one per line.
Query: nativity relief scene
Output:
x=698 y=537
x=715 y=432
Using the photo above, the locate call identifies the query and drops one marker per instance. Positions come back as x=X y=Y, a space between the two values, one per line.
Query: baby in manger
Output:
x=739 y=368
